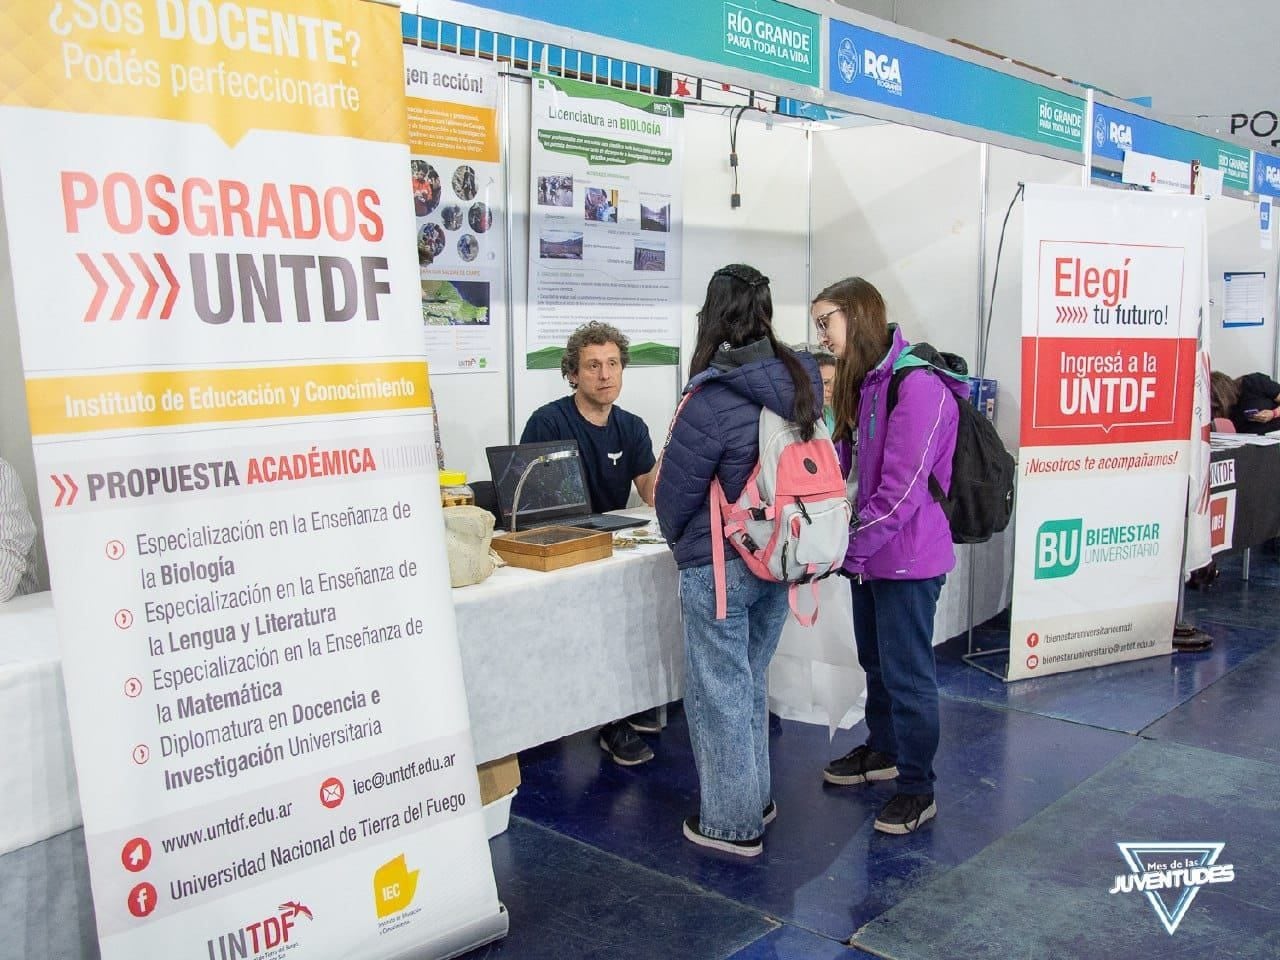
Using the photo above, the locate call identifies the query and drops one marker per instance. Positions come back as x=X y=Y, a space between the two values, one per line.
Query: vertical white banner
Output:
x=605 y=219
x=459 y=198
x=1112 y=295
x=219 y=311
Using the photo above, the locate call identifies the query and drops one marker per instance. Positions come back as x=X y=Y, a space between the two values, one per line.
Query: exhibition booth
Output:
x=814 y=146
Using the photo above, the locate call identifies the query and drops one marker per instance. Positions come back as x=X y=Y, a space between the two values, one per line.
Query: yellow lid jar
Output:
x=454 y=491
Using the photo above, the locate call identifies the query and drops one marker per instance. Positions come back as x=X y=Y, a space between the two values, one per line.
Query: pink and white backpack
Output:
x=791 y=522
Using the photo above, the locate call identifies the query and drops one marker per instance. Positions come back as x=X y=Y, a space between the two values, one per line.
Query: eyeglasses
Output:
x=822 y=321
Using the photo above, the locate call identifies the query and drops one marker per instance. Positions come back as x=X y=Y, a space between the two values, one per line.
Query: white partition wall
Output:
x=899 y=207
x=769 y=230
x=1005 y=170
x=1234 y=248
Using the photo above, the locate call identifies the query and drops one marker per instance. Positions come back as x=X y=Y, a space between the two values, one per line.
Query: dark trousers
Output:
x=893 y=630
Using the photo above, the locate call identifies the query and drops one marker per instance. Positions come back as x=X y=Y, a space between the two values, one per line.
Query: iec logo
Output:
x=847 y=60
x=394 y=885
x=1100 y=130
x=1058 y=548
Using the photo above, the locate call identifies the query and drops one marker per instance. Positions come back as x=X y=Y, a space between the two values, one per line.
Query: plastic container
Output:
x=454 y=491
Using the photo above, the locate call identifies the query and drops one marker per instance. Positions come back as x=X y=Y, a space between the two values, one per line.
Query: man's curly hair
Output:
x=593 y=334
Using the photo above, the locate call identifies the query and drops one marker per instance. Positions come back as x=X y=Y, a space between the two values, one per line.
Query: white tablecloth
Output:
x=38 y=794
x=548 y=654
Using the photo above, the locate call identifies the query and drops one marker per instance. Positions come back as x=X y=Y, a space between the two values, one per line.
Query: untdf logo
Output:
x=1171 y=874
x=1058 y=548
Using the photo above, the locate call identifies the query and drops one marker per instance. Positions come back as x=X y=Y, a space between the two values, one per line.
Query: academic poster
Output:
x=605 y=219
x=1112 y=300
x=219 y=312
x=458 y=207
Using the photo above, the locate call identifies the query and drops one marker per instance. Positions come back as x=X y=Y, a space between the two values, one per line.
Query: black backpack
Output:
x=982 y=471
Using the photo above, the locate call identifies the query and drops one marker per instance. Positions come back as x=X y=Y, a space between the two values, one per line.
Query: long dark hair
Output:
x=866 y=341
x=738 y=310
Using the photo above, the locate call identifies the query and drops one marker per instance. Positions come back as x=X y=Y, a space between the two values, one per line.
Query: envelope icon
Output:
x=332 y=792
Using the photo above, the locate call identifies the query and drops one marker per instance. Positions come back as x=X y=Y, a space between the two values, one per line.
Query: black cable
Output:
x=995 y=276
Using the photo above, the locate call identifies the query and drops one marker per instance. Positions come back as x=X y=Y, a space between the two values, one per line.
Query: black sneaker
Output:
x=647 y=721
x=621 y=743
x=770 y=813
x=741 y=848
x=860 y=765
x=906 y=812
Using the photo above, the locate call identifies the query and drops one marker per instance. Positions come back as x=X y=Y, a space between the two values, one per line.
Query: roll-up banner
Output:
x=1112 y=301
x=219 y=307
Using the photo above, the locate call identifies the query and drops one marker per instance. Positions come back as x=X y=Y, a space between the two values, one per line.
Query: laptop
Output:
x=555 y=491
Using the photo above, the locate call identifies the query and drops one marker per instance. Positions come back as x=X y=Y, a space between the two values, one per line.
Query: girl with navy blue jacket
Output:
x=738 y=367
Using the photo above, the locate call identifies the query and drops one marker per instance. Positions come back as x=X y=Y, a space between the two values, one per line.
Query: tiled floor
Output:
x=1038 y=782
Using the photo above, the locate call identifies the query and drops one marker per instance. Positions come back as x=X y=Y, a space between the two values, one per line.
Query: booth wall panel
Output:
x=899 y=207
x=1005 y=170
x=1234 y=247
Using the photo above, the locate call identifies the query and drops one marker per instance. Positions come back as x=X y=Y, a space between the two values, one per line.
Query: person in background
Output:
x=617 y=455
x=900 y=546
x=738 y=367
x=1257 y=405
x=1223 y=394
x=827 y=367
x=17 y=535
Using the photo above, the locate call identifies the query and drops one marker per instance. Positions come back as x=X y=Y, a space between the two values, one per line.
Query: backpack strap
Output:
x=793 y=593
x=718 y=505
x=907 y=362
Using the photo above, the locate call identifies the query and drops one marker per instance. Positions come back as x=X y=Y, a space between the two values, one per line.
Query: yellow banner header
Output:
x=171 y=398
x=328 y=67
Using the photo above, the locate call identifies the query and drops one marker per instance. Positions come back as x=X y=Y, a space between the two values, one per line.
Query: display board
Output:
x=605 y=219
x=1112 y=303
x=458 y=207
x=219 y=311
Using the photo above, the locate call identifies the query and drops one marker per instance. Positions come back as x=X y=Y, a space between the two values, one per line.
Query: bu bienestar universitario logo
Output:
x=1062 y=545
x=1171 y=874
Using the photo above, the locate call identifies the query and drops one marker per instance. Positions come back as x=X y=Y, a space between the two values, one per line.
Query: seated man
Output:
x=17 y=534
x=617 y=454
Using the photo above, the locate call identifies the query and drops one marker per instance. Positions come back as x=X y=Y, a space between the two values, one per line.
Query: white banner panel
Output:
x=218 y=305
x=1112 y=294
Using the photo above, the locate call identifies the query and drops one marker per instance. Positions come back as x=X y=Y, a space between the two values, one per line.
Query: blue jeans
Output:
x=725 y=695
x=893 y=630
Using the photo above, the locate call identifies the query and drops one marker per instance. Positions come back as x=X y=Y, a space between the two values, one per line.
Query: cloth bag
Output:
x=468 y=532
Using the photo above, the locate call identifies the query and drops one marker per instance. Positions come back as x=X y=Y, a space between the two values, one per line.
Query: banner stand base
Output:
x=972 y=660
x=462 y=939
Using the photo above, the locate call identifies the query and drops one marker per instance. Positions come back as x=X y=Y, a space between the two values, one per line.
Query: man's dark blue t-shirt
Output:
x=612 y=455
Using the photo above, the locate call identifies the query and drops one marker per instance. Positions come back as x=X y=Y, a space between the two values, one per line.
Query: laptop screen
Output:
x=554 y=489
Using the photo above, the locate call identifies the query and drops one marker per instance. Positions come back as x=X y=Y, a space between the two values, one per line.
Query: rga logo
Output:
x=1121 y=134
x=1062 y=545
x=847 y=60
x=1271 y=176
x=886 y=71
x=1100 y=131
x=1180 y=869
x=394 y=885
x=258 y=937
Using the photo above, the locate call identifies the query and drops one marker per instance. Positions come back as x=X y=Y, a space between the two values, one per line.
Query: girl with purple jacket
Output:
x=900 y=546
